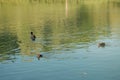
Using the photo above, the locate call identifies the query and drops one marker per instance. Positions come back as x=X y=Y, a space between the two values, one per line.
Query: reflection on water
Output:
x=66 y=27
x=84 y=24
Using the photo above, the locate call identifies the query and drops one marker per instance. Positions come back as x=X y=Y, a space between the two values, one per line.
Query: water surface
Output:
x=68 y=33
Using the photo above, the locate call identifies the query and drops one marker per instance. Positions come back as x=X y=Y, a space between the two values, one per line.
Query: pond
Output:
x=67 y=35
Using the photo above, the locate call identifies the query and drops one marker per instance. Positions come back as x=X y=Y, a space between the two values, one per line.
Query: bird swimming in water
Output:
x=102 y=44
x=39 y=56
x=33 y=37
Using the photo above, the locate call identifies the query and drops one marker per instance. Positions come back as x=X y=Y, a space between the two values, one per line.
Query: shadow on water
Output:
x=8 y=47
x=47 y=34
x=116 y=3
x=83 y=17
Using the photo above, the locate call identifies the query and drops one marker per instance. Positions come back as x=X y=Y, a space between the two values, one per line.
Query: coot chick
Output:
x=39 y=56
x=102 y=44
x=33 y=37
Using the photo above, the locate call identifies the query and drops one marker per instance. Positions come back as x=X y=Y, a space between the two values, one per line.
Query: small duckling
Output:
x=39 y=56
x=33 y=37
x=102 y=44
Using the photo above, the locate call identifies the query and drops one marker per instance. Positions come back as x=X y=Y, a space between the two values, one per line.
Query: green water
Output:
x=68 y=33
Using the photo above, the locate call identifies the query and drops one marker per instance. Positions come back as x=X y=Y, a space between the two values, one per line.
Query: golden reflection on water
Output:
x=56 y=24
